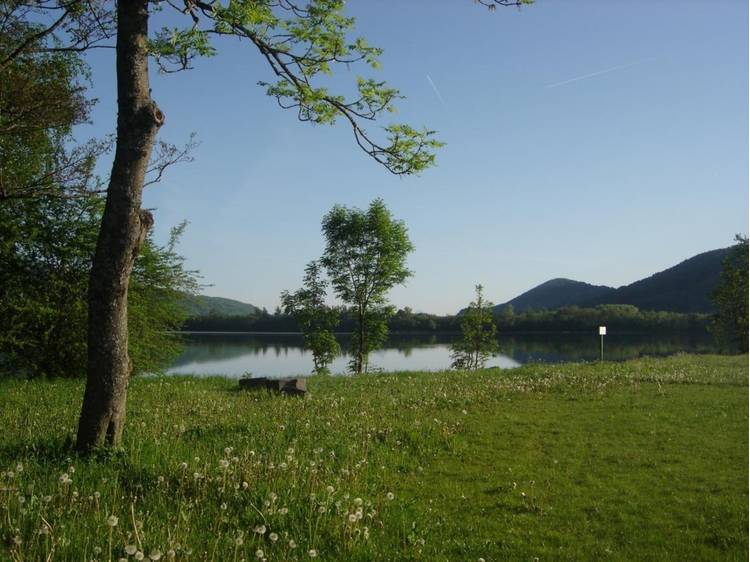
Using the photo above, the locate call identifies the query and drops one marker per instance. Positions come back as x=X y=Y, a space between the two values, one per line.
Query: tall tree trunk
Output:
x=122 y=233
x=361 y=350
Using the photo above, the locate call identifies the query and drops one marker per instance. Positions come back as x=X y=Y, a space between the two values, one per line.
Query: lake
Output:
x=281 y=355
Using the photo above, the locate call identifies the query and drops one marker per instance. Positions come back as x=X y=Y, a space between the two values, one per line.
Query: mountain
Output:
x=557 y=293
x=202 y=305
x=685 y=287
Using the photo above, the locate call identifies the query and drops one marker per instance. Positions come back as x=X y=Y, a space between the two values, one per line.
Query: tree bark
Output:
x=361 y=350
x=123 y=230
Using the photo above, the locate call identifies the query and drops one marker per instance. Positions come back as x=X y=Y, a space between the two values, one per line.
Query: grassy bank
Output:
x=643 y=460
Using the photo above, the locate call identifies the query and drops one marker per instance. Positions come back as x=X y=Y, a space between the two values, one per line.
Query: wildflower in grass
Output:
x=97 y=550
x=312 y=553
x=139 y=555
x=245 y=485
x=273 y=537
x=357 y=501
x=112 y=521
x=352 y=518
x=284 y=510
x=390 y=496
x=224 y=463
x=171 y=554
x=19 y=468
x=260 y=529
x=259 y=554
x=131 y=549
x=183 y=465
x=155 y=555
x=329 y=489
x=292 y=544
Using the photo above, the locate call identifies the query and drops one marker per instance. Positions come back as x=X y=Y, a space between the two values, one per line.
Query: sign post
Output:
x=602 y=333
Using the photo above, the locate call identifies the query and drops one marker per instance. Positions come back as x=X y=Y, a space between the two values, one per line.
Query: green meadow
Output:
x=641 y=460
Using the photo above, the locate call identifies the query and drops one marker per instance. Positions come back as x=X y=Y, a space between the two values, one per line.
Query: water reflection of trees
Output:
x=525 y=348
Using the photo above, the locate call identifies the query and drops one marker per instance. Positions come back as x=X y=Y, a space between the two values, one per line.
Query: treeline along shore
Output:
x=622 y=318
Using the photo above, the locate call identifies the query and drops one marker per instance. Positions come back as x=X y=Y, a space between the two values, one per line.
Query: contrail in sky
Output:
x=591 y=75
x=434 y=88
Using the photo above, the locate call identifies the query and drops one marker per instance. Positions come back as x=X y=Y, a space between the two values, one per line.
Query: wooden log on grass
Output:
x=295 y=386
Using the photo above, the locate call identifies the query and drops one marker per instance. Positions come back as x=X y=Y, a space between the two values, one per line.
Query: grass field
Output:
x=643 y=460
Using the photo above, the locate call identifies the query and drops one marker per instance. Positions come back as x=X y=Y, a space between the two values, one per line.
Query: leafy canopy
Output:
x=730 y=324
x=303 y=44
x=314 y=317
x=365 y=256
x=478 y=331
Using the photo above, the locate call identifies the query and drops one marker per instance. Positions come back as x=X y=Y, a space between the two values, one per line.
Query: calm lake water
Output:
x=280 y=355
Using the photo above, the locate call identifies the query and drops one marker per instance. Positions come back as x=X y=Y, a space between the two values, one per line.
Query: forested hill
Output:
x=686 y=287
x=556 y=293
x=201 y=305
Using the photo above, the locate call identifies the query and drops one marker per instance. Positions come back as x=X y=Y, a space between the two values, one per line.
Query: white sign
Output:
x=602 y=330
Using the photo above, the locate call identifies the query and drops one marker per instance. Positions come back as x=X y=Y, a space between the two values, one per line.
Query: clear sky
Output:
x=599 y=141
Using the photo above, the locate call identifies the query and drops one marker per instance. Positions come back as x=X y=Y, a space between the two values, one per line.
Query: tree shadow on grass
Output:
x=45 y=449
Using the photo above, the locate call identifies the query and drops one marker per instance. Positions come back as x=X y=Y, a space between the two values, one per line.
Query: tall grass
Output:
x=209 y=472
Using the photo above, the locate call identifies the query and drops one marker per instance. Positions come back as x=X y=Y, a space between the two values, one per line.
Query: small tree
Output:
x=315 y=318
x=730 y=324
x=365 y=257
x=478 y=330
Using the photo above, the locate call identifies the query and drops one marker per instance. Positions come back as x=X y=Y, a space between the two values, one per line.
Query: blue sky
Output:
x=599 y=141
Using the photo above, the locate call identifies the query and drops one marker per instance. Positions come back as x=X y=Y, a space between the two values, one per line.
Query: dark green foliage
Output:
x=316 y=320
x=623 y=318
x=42 y=98
x=479 y=341
x=45 y=256
x=157 y=288
x=730 y=323
x=365 y=257
x=45 y=253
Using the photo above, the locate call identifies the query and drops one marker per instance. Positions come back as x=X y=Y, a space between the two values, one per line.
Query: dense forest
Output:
x=574 y=319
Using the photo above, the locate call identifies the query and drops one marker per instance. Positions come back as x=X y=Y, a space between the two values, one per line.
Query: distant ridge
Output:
x=685 y=287
x=557 y=293
x=202 y=305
